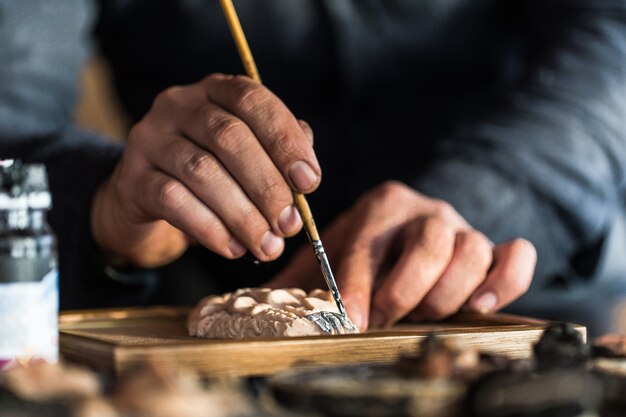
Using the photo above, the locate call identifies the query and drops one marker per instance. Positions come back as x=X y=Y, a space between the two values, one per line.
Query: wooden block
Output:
x=119 y=339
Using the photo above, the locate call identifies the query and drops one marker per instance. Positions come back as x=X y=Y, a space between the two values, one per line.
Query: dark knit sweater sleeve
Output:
x=548 y=163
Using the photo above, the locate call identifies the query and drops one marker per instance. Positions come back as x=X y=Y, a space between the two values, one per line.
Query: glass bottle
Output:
x=29 y=295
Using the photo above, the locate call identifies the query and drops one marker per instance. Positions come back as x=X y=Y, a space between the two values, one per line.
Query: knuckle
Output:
x=199 y=165
x=225 y=133
x=273 y=188
x=215 y=76
x=478 y=248
x=384 y=195
x=246 y=94
x=284 y=144
x=438 y=235
x=274 y=191
x=444 y=209
x=390 y=189
x=307 y=130
x=139 y=133
x=170 y=96
x=169 y=194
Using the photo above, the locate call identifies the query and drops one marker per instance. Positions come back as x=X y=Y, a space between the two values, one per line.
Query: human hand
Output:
x=398 y=253
x=212 y=162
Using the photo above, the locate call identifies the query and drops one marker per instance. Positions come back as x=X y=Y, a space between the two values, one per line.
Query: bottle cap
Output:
x=23 y=186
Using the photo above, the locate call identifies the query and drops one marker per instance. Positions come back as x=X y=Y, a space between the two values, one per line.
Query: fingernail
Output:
x=486 y=303
x=289 y=220
x=377 y=319
x=271 y=244
x=236 y=248
x=302 y=175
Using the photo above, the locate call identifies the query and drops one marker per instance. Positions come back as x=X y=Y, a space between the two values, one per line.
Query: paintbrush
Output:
x=328 y=321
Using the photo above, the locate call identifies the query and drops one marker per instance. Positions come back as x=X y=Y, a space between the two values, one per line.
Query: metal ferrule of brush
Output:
x=320 y=254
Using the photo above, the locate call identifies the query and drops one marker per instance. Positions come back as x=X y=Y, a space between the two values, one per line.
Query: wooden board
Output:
x=119 y=339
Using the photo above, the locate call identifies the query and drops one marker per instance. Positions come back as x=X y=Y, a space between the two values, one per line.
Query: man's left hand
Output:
x=398 y=253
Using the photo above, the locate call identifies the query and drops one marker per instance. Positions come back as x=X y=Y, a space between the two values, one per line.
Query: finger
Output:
x=273 y=124
x=376 y=222
x=510 y=277
x=190 y=240
x=471 y=260
x=170 y=109
x=306 y=128
x=363 y=255
x=164 y=197
x=237 y=148
x=205 y=176
x=427 y=251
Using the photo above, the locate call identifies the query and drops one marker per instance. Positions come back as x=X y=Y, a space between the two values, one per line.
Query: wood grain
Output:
x=120 y=339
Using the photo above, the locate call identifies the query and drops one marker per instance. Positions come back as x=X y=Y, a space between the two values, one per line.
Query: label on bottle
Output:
x=29 y=321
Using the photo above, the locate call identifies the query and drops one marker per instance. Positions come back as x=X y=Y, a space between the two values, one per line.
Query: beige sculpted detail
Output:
x=259 y=312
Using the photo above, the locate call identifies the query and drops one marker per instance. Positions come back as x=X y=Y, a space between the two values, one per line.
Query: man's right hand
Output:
x=213 y=162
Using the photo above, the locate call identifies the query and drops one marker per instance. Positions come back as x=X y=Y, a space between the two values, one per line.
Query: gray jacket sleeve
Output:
x=42 y=47
x=549 y=162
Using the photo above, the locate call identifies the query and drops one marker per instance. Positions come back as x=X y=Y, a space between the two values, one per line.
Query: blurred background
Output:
x=98 y=108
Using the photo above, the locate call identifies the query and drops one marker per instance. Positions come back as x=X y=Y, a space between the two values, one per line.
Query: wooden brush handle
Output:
x=240 y=40
x=307 y=217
